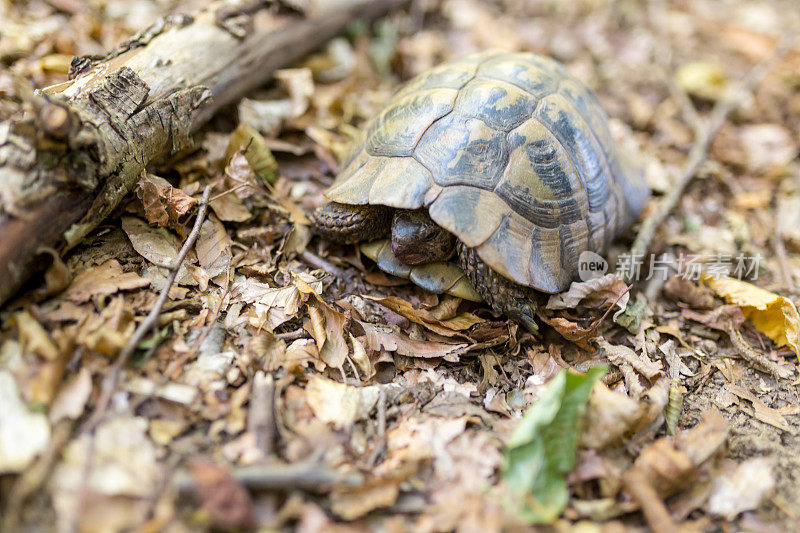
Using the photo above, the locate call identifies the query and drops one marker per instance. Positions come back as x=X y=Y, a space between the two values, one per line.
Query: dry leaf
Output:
x=34 y=338
x=390 y=339
x=226 y=501
x=213 y=247
x=71 y=400
x=164 y=205
x=598 y=293
x=23 y=433
x=742 y=488
x=103 y=280
x=426 y=318
x=157 y=245
x=773 y=315
x=339 y=404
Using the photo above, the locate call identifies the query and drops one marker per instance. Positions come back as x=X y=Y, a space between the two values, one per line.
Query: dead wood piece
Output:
x=70 y=153
x=309 y=476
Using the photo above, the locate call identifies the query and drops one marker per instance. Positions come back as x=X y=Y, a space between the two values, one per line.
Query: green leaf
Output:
x=541 y=451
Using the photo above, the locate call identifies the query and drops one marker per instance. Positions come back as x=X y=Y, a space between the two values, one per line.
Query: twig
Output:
x=109 y=384
x=292 y=335
x=322 y=264
x=261 y=416
x=753 y=357
x=310 y=476
x=699 y=150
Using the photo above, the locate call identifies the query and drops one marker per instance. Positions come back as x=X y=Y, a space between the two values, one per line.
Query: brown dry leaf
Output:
x=389 y=338
x=423 y=317
x=339 y=404
x=622 y=355
x=71 y=400
x=226 y=501
x=164 y=205
x=762 y=411
x=103 y=280
x=34 y=338
x=124 y=473
x=108 y=331
x=334 y=350
x=213 y=247
x=671 y=464
x=571 y=331
x=721 y=318
x=609 y=417
x=768 y=148
x=742 y=487
x=157 y=245
x=230 y=208
x=272 y=306
x=680 y=289
x=357 y=502
x=597 y=293
x=773 y=315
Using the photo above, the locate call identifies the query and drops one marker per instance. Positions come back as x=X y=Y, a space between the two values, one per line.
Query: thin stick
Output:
x=699 y=150
x=110 y=381
x=261 y=416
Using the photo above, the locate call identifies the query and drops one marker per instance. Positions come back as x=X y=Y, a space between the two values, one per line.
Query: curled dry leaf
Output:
x=34 y=338
x=610 y=416
x=72 y=398
x=773 y=315
x=272 y=306
x=330 y=336
x=164 y=205
x=599 y=292
x=246 y=141
x=571 y=331
x=671 y=464
x=389 y=338
x=426 y=318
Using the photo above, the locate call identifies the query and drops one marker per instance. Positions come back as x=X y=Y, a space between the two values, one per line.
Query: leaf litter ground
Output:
x=289 y=383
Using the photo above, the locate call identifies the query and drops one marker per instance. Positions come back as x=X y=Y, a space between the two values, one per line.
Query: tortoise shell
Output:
x=509 y=153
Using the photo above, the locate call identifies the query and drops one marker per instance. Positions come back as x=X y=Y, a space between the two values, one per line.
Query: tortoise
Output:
x=503 y=160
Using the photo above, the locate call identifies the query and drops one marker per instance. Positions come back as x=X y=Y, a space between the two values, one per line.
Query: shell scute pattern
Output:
x=507 y=152
x=459 y=150
x=398 y=128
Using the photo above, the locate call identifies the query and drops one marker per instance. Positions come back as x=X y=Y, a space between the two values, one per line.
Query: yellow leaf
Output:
x=773 y=315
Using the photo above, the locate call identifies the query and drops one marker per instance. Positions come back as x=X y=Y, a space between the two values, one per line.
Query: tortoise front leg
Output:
x=503 y=295
x=348 y=224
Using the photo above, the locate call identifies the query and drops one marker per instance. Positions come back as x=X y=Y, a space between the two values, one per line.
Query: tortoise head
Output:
x=418 y=240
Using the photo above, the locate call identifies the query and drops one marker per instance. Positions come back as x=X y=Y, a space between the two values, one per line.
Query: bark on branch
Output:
x=70 y=153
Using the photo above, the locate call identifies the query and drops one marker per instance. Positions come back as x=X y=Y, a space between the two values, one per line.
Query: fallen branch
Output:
x=309 y=476
x=704 y=134
x=70 y=153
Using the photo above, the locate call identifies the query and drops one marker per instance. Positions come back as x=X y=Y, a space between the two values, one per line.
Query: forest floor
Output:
x=291 y=384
